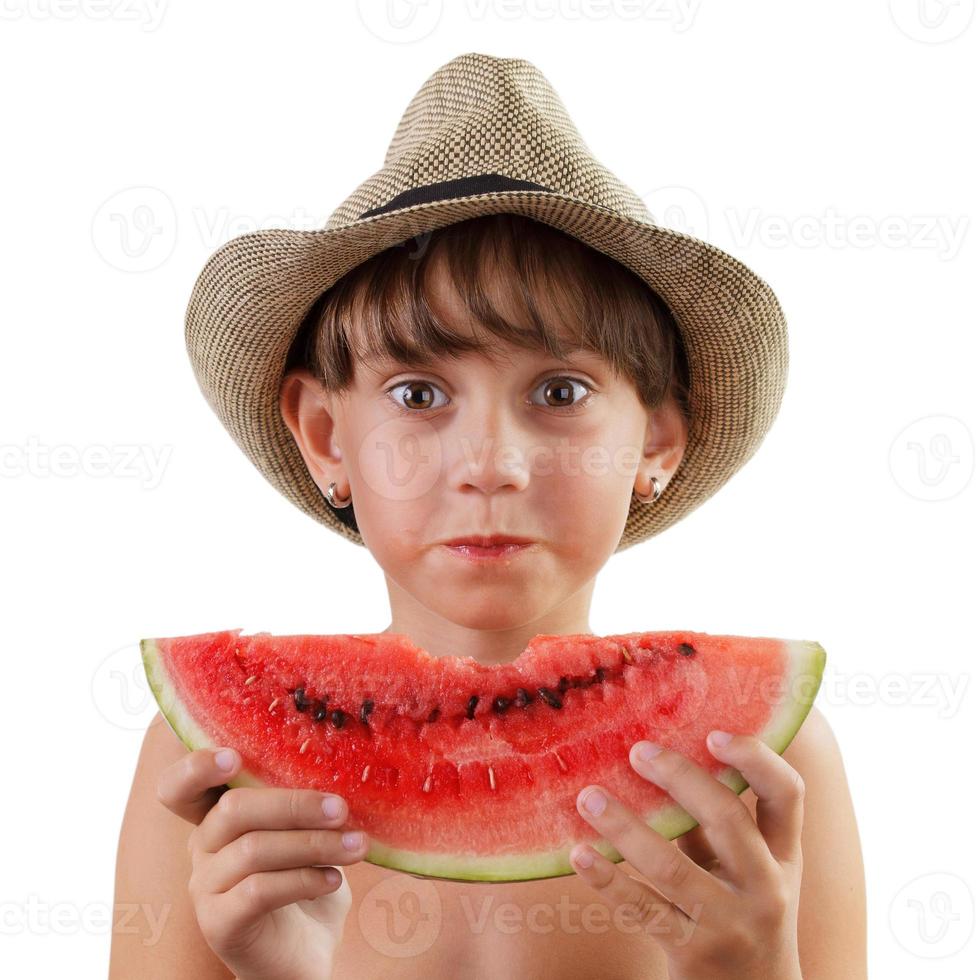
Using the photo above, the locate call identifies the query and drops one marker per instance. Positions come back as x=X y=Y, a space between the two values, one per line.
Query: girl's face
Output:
x=511 y=443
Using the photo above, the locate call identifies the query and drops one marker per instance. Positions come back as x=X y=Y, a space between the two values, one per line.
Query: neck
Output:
x=443 y=637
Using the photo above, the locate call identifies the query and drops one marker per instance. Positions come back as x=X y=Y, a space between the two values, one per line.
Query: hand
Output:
x=723 y=903
x=264 y=901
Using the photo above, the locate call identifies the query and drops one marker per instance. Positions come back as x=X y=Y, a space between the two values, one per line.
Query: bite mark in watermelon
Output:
x=462 y=770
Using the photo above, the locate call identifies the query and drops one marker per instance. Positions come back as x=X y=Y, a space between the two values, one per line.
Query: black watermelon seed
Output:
x=686 y=649
x=600 y=675
x=319 y=711
x=337 y=718
x=433 y=714
x=522 y=699
x=563 y=684
x=299 y=699
x=549 y=697
x=501 y=704
x=366 y=708
x=471 y=705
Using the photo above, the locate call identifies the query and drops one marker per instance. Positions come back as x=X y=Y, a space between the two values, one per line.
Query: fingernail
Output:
x=352 y=840
x=647 y=750
x=584 y=859
x=720 y=738
x=595 y=802
x=225 y=759
x=332 y=806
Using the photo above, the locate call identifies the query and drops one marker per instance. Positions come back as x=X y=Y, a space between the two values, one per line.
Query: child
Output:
x=465 y=353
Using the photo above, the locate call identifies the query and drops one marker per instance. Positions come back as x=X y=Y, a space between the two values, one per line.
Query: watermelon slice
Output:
x=462 y=770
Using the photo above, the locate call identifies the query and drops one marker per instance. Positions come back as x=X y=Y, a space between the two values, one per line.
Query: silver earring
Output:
x=332 y=498
x=655 y=492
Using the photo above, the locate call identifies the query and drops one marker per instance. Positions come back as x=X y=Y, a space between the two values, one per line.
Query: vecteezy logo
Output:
x=400 y=21
x=401 y=916
x=120 y=691
x=932 y=458
x=400 y=465
x=932 y=916
x=678 y=208
x=931 y=21
x=135 y=230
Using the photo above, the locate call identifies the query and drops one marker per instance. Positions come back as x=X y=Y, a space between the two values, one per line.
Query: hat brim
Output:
x=252 y=294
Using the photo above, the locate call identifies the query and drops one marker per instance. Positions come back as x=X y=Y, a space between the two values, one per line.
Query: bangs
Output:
x=523 y=282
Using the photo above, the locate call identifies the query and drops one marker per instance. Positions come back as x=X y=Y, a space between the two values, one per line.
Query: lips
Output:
x=487 y=541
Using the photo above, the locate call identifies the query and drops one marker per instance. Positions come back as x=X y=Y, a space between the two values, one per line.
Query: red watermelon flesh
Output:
x=462 y=770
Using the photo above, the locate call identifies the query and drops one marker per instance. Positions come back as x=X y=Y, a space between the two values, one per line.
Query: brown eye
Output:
x=417 y=396
x=559 y=393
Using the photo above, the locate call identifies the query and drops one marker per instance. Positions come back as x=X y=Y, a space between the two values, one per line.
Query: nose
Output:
x=489 y=451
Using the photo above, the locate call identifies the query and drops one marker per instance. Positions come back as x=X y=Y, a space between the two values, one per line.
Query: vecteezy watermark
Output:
x=400 y=21
x=214 y=228
x=135 y=230
x=940 y=692
x=407 y=21
x=38 y=460
x=569 y=917
x=932 y=916
x=403 y=915
x=940 y=233
x=120 y=691
x=682 y=209
x=932 y=458
x=678 y=208
x=932 y=21
x=39 y=917
x=936 y=690
x=147 y=13
x=679 y=14
x=404 y=465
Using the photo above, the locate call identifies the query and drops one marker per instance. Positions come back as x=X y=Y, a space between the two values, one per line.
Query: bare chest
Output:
x=400 y=926
x=405 y=927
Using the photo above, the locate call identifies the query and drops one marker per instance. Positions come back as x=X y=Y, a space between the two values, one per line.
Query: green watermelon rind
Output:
x=807 y=660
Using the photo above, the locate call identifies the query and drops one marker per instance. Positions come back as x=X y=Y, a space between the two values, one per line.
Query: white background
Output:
x=831 y=148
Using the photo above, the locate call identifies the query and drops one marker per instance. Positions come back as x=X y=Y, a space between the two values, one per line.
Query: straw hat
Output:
x=485 y=135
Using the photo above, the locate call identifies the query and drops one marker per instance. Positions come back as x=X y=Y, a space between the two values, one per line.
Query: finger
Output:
x=243 y=906
x=778 y=787
x=670 y=871
x=246 y=808
x=634 y=903
x=726 y=820
x=277 y=850
x=696 y=846
x=192 y=785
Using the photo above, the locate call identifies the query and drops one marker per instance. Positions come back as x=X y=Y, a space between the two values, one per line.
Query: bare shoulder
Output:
x=155 y=932
x=833 y=913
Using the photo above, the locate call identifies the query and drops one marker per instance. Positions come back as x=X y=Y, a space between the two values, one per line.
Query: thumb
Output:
x=331 y=909
x=192 y=785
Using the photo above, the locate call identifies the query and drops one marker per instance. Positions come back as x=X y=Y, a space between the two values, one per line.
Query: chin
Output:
x=475 y=615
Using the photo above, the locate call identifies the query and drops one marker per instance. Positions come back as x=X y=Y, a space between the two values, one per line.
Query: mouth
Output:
x=484 y=548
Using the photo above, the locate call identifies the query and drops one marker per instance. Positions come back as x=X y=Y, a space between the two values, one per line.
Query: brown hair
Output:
x=380 y=308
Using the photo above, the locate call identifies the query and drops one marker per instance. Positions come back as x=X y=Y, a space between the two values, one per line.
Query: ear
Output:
x=664 y=443
x=307 y=410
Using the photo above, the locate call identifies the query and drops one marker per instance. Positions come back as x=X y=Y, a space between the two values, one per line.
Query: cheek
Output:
x=583 y=518
x=391 y=528
x=395 y=463
x=591 y=469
